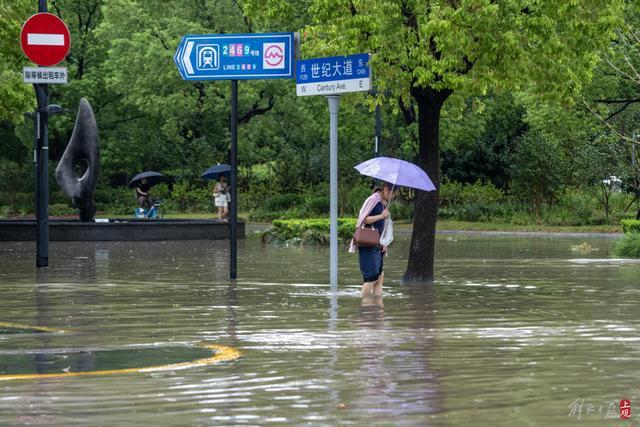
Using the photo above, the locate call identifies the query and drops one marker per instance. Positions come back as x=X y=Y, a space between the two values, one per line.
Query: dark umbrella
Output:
x=214 y=171
x=152 y=177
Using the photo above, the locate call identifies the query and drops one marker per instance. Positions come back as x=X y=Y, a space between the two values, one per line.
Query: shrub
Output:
x=315 y=238
x=580 y=206
x=17 y=203
x=473 y=202
x=560 y=216
x=401 y=210
x=5 y=211
x=522 y=217
x=447 y=213
x=473 y=212
x=317 y=205
x=481 y=194
x=61 y=209
x=308 y=232
x=450 y=193
x=186 y=197
x=619 y=202
x=564 y=215
x=628 y=246
x=255 y=199
x=263 y=215
x=537 y=166
x=355 y=197
x=630 y=225
x=282 y=202
x=121 y=200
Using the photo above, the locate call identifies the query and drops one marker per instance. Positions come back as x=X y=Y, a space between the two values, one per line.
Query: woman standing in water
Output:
x=373 y=212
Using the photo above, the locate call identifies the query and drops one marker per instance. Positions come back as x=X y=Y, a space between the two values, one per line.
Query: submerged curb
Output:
x=222 y=353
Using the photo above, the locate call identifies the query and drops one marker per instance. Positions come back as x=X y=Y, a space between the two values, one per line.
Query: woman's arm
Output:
x=374 y=218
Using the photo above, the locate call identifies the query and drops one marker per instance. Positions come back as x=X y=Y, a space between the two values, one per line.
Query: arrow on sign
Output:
x=186 y=61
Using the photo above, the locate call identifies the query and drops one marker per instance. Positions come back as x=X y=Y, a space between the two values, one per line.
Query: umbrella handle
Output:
x=393 y=186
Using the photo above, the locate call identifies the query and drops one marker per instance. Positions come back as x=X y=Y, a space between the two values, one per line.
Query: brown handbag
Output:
x=367 y=237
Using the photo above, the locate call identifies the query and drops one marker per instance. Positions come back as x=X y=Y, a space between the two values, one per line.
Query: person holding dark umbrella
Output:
x=142 y=183
x=143 y=195
x=221 y=195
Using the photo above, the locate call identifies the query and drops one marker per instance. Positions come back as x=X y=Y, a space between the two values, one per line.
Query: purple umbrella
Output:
x=397 y=172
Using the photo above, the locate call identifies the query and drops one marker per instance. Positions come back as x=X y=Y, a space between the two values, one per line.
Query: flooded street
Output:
x=517 y=331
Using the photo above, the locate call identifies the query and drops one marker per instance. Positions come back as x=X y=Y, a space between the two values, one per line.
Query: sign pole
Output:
x=42 y=168
x=233 y=244
x=334 y=104
x=333 y=76
x=236 y=57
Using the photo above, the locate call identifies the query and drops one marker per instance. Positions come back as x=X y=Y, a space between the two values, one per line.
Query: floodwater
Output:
x=516 y=331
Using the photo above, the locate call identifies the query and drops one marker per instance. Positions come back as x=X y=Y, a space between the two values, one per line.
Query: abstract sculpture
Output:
x=82 y=151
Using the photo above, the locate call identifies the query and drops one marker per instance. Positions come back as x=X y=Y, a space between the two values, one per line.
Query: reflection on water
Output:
x=514 y=333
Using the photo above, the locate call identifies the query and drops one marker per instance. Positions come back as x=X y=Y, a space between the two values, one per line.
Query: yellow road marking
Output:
x=223 y=353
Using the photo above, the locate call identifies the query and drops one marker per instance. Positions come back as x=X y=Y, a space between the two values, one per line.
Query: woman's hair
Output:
x=380 y=187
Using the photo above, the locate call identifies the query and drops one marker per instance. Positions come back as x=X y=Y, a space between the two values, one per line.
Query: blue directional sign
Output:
x=333 y=75
x=236 y=56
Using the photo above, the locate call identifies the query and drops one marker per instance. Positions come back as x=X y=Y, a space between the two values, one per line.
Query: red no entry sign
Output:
x=45 y=39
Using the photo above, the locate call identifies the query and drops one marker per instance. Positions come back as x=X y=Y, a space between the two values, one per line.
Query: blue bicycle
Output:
x=152 y=213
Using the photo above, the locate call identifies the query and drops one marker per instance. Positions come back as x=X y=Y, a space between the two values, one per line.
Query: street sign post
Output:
x=236 y=57
x=45 y=39
x=333 y=76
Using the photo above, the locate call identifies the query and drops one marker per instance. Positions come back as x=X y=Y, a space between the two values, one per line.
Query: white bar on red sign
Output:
x=45 y=39
x=50 y=75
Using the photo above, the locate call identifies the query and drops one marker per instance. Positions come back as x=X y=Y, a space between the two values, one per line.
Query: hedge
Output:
x=310 y=232
x=628 y=246
x=630 y=225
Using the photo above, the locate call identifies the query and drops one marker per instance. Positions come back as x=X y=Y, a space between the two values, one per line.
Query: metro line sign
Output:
x=236 y=56
x=45 y=39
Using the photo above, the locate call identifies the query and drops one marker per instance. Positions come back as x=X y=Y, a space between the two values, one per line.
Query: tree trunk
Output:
x=421 y=254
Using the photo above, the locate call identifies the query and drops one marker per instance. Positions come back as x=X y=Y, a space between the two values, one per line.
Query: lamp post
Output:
x=41 y=158
x=378 y=128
